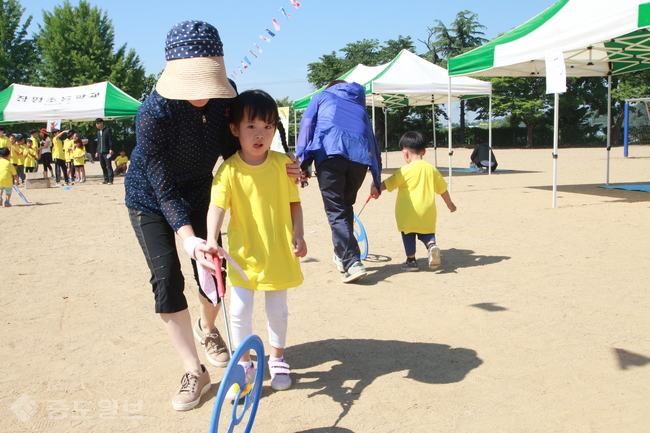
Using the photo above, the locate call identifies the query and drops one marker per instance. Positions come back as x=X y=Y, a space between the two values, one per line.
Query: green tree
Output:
x=18 y=56
x=367 y=52
x=464 y=34
x=77 y=46
x=523 y=99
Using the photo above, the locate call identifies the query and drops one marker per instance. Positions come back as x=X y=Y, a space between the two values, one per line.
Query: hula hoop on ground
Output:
x=235 y=375
x=20 y=193
x=362 y=238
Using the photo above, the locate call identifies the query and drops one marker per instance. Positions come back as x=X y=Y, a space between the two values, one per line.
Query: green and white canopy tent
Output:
x=596 y=37
x=19 y=103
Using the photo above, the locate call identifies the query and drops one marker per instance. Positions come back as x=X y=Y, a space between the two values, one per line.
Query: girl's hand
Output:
x=293 y=169
x=205 y=253
x=373 y=192
x=299 y=246
x=452 y=207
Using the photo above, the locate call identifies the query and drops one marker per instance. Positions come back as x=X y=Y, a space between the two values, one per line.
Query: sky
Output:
x=316 y=28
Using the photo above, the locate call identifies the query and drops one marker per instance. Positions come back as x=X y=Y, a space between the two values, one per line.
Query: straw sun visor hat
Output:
x=195 y=68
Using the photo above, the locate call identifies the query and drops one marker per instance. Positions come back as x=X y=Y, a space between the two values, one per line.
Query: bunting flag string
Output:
x=246 y=62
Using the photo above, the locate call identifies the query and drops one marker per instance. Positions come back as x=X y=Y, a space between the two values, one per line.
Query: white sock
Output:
x=245 y=364
x=272 y=359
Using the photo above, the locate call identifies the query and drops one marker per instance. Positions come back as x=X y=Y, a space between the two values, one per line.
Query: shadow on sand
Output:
x=362 y=361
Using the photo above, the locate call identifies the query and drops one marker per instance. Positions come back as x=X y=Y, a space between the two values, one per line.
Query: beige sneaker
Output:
x=215 y=348
x=194 y=384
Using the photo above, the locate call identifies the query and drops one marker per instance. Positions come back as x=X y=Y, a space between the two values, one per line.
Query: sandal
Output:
x=280 y=379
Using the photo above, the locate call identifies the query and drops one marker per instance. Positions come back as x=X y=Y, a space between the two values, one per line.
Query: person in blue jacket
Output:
x=336 y=135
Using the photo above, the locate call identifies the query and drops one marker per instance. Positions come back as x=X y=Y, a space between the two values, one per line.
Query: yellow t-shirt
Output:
x=30 y=156
x=68 y=148
x=7 y=173
x=17 y=154
x=78 y=157
x=260 y=228
x=57 y=149
x=415 y=207
x=121 y=159
x=5 y=142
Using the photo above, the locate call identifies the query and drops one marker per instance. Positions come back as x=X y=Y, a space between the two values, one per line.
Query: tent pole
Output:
x=490 y=136
x=386 y=134
x=609 y=123
x=295 y=129
x=449 y=127
x=556 y=139
x=435 y=145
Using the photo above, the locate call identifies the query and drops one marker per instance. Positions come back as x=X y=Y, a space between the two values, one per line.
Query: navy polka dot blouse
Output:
x=177 y=146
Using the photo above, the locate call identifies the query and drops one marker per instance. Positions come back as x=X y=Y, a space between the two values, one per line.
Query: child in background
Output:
x=121 y=163
x=30 y=152
x=68 y=148
x=265 y=232
x=78 y=157
x=415 y=208
x=8 y=176
x=18 y=156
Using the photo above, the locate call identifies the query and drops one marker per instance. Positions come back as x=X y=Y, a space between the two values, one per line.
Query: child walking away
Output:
x=265 y=232
x=8 y=177
x=78 y=157
x=415 y=209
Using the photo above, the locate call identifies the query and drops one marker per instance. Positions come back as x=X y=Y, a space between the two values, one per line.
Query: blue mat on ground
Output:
x=468 y=170
x=644 y=188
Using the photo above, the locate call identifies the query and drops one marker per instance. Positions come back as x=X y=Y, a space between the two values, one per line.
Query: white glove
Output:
x=206 y=279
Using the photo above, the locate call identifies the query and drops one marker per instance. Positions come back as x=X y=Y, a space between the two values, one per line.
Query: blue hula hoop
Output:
x=235 y=375
x=362 y=238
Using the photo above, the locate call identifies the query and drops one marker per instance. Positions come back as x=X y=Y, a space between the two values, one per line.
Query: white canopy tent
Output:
x=410 y=80
x=20 y=103
x=607 y=38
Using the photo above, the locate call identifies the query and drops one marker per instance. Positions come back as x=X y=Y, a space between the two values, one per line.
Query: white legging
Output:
x=241 y=315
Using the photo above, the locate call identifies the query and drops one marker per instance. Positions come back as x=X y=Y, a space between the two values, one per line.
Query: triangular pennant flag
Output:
x=240 y=71
x=275 y=24
x=258 y=48
x=243 y=64
x=295 y=3
x=265 y=39
x=270 y=33
x=285 y=13
x=246 y=60
x=254 y=55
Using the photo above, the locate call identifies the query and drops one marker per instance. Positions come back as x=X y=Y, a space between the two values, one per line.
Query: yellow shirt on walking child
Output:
x=7 y=173
x=415 y=207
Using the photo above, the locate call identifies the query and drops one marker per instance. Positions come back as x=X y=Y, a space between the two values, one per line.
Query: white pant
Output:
x=241 y=314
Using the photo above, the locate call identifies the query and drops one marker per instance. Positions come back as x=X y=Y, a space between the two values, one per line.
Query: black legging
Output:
x=46 y=160
x=60 y=168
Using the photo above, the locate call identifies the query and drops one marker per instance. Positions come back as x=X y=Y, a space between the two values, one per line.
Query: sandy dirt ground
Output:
x=538 y=319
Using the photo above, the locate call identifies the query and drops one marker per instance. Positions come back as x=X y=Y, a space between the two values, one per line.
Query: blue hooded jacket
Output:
x=335 y=123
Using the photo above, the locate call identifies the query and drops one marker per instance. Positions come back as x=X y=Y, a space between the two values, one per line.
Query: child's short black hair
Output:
x=413 y=140
x=258 y=104
x=4 y=151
